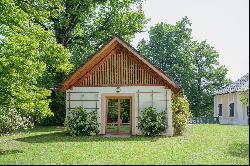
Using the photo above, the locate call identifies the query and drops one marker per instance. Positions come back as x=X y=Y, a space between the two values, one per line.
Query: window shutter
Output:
x=220 y=109
x=231 y=109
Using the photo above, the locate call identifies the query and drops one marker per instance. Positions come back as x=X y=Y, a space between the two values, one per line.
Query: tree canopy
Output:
x=26 y=52
x=83 y=25
x=193 y=64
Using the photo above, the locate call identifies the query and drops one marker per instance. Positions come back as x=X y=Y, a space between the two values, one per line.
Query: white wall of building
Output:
x=160 y=99
x=240 y=113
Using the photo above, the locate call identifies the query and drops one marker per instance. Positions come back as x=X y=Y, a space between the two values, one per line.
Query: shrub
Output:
x=152 y=123
x=181 y=114
x=55 y=120
x=57 y=106
x=81 y=123
x=11 y=120
x=5 y=123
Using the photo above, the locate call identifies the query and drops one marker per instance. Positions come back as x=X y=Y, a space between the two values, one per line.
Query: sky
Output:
x=223 y=23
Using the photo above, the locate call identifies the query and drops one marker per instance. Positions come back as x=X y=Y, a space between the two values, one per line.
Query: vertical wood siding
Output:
x=119 y=67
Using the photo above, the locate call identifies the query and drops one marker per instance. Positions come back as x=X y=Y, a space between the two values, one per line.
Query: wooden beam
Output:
x=83 y=108
x=83 y=92
x=131 y=115
x=149 y=92
x=119 y=115
x=138 y=103
x=152 y=98
x=106 y=115
x=82 y=100
x=69 y=100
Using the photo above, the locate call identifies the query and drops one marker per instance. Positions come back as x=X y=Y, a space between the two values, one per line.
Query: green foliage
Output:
x=81 y=123
x=6 y=125
x=112 y=110
x=56 y=120
x=181 y=114
x=194 y=65
x=27 y=51
x=11 y=120
x=82 y=26
x=98 y=23
x=57 y=106
x=152 y=123
x=207 y=77
x=244 y=99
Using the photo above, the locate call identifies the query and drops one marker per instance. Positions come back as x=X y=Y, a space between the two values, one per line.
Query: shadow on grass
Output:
x=42 y=129
x=6 y=152
x=63 y=137
x=239 y=150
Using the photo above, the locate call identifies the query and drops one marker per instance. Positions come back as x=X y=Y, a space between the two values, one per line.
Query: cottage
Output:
x=228 y=105
x=119 y=84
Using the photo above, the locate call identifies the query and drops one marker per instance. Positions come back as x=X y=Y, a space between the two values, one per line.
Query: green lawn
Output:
x=124 y=128
x=202 y=144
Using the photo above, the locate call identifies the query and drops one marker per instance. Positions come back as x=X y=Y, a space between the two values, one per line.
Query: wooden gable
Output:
x=118 y=68
x=116 y=64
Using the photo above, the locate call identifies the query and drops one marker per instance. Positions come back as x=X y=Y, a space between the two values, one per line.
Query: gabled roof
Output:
x=240 y=85
x=91 y=62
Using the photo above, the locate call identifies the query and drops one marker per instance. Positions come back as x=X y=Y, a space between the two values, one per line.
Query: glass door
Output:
x=125 y=116
x=112 y=117
x=118 y=115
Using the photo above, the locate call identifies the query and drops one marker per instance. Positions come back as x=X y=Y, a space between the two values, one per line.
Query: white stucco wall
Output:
x=240 y=113
x=145 y=99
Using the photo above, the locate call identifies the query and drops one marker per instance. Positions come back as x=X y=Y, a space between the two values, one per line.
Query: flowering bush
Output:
x=11 y=120
x=152 y=123
x=181 y=114
x=81 y=123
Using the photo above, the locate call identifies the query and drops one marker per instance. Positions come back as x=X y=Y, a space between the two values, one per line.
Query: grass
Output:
x=202 y=144
x=124 y=128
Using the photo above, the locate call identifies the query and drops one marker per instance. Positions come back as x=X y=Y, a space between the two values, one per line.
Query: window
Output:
x=231 y=109
x=220 y=109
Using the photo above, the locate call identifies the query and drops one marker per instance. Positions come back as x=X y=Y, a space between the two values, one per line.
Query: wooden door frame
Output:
x=104 y=110
x=119 y=98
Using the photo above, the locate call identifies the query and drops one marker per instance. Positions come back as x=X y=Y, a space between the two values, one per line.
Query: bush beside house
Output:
x=181 y=114
x=152 y=123
x=81 y=123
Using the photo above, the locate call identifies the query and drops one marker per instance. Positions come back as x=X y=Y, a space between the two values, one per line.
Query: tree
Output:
x=194 y=65
x=123 y=18
x=207 y=77
x=83 y=25
x=26 y=52
x=168 y=49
